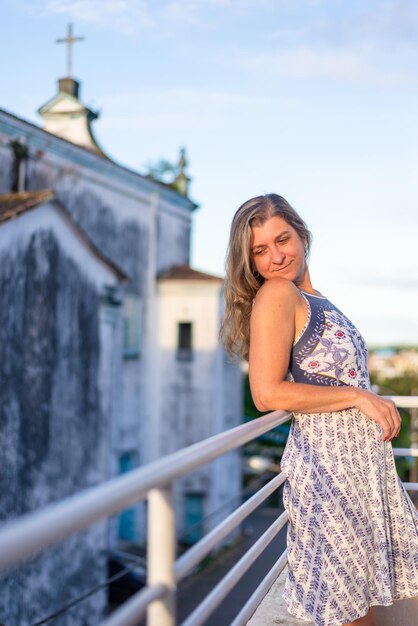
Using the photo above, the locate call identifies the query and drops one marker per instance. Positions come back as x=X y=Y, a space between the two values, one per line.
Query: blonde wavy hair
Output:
x=242 y=281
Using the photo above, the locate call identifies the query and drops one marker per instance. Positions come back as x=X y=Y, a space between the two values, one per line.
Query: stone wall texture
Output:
x=53 y=435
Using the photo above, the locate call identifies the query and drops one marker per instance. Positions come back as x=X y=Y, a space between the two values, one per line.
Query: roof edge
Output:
x=33 y=199
x=155 y=185
x=186 y=272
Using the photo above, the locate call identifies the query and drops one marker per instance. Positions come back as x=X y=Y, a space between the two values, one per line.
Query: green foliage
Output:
x=402 y=385
x=163 y=171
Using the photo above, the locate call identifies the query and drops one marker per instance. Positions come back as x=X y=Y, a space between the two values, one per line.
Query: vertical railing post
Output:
x=161 y=554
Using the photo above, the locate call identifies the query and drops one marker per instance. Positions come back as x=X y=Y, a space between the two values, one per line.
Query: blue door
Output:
x=193 y=517
x=127 y=519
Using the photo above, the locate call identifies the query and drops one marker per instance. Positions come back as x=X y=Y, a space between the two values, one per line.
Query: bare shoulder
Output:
x=276 y=292
x=272 y=324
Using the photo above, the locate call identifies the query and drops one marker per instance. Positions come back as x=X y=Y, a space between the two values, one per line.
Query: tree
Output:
x=163 y=171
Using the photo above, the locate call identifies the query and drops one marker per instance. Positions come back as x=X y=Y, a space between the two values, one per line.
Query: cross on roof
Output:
x=69 y=40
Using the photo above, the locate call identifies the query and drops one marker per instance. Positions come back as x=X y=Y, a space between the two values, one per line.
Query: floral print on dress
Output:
x=310 y=364
x=335 y=352
x=330 y=351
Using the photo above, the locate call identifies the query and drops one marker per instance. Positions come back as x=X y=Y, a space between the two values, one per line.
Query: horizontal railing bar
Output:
x=195 y=554
x=405 y=402
x=411 y=486
x=405 y=451
x=260 y=593
x=134 y=609
x=31 y=533
x=215 y=597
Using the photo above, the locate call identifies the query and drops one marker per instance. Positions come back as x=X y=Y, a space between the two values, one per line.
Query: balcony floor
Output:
x=273 y=612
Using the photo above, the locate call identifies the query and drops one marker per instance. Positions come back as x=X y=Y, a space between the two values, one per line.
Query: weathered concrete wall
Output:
x=100 y=212
x=119 y=220
x=52 y=432
x=110 y=202
x=173 y=239
x=119 y=228
x=134 y=224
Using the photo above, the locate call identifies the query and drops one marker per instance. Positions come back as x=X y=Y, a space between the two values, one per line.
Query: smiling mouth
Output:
x=280 y=269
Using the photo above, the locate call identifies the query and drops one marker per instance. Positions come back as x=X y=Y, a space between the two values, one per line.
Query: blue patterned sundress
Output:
x=352 y=535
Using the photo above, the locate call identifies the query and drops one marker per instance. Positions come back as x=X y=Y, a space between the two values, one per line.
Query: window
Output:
x=19 y=171
x=185 y=341
x=132 y=310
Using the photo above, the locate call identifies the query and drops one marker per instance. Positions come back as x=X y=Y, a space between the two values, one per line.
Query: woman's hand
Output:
x=382 y=411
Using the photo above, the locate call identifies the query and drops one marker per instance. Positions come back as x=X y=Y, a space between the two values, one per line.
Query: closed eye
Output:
x=280 y=239
x=262 y=250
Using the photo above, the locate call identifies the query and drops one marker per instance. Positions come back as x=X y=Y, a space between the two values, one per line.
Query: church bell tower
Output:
x=65 y=115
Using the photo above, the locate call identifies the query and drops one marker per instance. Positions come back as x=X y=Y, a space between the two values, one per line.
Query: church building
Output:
x=109 y=352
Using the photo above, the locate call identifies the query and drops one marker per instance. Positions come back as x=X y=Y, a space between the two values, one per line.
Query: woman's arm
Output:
x=272 y=331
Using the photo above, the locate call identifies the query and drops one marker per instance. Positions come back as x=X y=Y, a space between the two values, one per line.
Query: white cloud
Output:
x=376 y=44
x=131 y=16
x=355 y=63
x=377 y=19
x=387 y=21
x=376 y=22
x=123 y=15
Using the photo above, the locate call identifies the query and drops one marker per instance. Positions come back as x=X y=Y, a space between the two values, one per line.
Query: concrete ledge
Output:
x=273 y=611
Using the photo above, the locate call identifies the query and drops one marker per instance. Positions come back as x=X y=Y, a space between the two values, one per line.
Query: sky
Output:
x=315 y=100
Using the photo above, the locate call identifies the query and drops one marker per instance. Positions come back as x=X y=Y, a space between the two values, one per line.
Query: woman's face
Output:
x=277 y=250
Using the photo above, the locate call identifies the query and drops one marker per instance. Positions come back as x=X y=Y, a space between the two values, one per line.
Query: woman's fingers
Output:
x=396 y=419
x=392 y=421
x=387 y=427
x=382 y=411
x=387 y=420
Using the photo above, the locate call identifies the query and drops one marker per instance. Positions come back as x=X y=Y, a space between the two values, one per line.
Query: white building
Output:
x=197 y=391
x=168 y=383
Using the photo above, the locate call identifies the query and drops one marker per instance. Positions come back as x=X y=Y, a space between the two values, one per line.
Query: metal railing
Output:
x=33 y=533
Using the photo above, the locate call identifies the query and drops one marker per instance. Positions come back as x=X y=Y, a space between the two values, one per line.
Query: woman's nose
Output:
x=277 y=256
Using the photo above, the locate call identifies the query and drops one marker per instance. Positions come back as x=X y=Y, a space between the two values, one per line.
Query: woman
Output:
x=352 y=535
